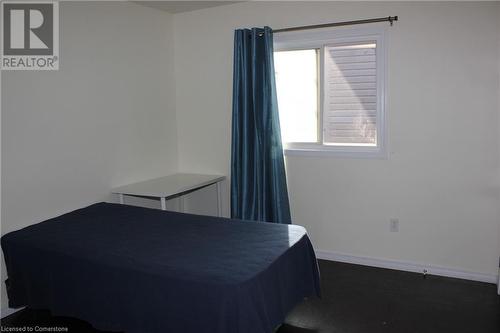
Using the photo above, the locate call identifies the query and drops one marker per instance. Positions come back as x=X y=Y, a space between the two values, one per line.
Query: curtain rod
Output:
x=389 y=19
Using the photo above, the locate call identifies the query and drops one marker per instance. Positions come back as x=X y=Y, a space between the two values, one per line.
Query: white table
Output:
x=175 y=185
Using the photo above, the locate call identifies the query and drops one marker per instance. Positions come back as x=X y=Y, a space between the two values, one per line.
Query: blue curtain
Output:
x=258 y=180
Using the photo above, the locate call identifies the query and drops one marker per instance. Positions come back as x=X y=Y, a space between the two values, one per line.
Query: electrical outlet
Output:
x=394 y=225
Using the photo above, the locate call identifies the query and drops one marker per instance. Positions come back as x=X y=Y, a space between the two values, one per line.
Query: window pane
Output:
x=350 y=112
x=297 y=89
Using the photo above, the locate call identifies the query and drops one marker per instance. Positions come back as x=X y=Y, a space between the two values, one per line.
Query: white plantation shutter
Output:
x=350 y=94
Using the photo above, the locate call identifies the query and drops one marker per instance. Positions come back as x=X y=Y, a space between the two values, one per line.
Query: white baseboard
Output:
x=407 y=266
x=4 y=312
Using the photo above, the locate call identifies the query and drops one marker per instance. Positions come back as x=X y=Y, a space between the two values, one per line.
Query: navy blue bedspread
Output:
x=139 y=270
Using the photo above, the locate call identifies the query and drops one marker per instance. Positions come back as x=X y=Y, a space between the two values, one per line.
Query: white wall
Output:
x=98 y=122
x=441 y=178
x=104 y=119
x=498 y=174
x=3 y=295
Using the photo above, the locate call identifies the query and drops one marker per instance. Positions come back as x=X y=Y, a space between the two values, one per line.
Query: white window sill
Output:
x=340 y=152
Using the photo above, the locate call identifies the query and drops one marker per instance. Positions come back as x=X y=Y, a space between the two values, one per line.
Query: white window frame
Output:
x=317 y=40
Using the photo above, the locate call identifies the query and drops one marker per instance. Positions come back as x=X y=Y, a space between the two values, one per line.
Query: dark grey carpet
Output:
x=359 y=299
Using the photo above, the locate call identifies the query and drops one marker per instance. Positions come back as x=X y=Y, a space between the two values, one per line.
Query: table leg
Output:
x=181 y=203
x=219 y=201
x=163 y=203
x=120 y=197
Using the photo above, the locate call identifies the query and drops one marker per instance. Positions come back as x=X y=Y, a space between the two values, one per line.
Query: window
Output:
x=330 y=88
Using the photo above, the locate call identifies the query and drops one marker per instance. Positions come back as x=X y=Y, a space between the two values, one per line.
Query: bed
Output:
x=140 y=270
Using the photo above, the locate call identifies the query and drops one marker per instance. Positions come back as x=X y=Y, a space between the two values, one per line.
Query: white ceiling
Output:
x=183 y=6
